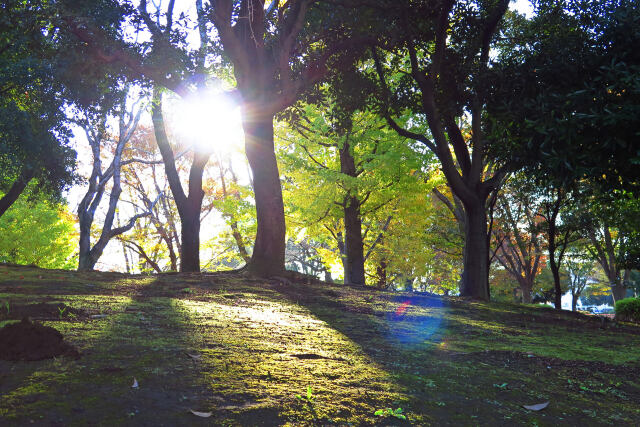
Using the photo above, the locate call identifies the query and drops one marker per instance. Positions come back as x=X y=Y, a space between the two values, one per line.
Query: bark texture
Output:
x=353 y=243
x=17 y=188
x=463 y=161
x=267 y=258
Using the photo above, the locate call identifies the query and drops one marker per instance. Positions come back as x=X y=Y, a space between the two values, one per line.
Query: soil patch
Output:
x=32 y=341
x=41 y=311
x=521 y=361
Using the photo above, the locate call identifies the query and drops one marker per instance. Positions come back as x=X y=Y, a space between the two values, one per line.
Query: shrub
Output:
x=628 y=309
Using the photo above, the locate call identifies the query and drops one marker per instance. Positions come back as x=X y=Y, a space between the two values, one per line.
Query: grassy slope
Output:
x=261 y=343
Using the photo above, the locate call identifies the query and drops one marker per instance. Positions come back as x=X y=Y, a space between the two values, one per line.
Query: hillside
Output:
x=274 y=352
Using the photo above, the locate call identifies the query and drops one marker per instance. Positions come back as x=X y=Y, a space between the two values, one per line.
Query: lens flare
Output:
x=416 y=320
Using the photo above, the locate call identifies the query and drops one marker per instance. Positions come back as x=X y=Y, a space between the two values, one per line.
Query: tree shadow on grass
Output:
x=132 y=335
x=413 y=338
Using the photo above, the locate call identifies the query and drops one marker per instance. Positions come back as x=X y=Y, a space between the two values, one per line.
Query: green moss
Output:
x=243 y=349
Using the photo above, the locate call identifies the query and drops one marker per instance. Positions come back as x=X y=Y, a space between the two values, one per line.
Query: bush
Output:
x=628 y=309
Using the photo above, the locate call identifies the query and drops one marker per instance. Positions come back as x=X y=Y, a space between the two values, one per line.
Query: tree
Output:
x=561 y=225
x=155 y=238
x=275 y=56
x=189 y=203
x=580 y=272
x=345 y=175
x=231 y=202
x=33 y=134
x=605 y=249
x=568 y=88
x=519 y=240
x=99 y=137
x=303 y=256
x=433 y=63
x=39 y=232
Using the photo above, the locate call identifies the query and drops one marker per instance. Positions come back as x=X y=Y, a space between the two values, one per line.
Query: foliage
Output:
x=308 y=398
x=33 y=134
x=570 y=118
x=388 y=412
x=520 y=243
x=38 y=232
x=628 y=309
x=391 y=183
x=580 y=270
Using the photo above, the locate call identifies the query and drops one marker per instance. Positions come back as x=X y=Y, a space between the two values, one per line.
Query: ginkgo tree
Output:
x=349 y=183
x=37 y=231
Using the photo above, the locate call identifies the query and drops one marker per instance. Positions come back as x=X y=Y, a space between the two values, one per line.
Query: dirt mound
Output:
x=32 y=341
x=41 y=311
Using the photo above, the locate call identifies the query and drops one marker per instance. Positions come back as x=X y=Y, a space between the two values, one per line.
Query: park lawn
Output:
x=278 y=352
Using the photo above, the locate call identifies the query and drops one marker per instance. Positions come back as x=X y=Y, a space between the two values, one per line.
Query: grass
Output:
x=259 y=352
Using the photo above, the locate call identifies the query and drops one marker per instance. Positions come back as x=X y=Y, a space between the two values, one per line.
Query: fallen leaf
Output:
x=201 y=414
x=135 y=383
x=538 y=407
x=195 y=356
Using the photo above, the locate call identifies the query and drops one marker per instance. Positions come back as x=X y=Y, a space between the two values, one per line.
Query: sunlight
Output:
x=210 y=121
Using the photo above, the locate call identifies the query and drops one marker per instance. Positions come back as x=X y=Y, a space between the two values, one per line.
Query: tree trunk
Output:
x=16 y=189
x=574 y=301
x=526 y=292
x=190 y=236
x=267 y=258
x=189 y=206
x=475 y=276
x=354 y=246
x=327 y=276
x=555 y=271
x=381 y=271
x=237 y=236
x=618 y=291
x=235 y=230
x=85 y=260
x=553 y=265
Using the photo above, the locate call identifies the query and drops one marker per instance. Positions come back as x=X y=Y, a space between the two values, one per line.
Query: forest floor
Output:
x=271 y=352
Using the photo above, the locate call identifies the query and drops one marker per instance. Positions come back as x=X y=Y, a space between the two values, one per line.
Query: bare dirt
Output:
x=28 y=341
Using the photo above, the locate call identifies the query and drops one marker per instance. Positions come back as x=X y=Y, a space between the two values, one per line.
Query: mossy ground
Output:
x=245 y=348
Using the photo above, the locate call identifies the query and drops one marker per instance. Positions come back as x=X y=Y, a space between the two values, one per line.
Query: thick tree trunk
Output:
x=327 y=276
x=190 y=236
x=85 y=261
x=354 y=247
x=475 y=276
x=526 y=292
x=574 y=301
x=16 y=190
x=268 y=252
x=618 y=291
x=381 y=271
